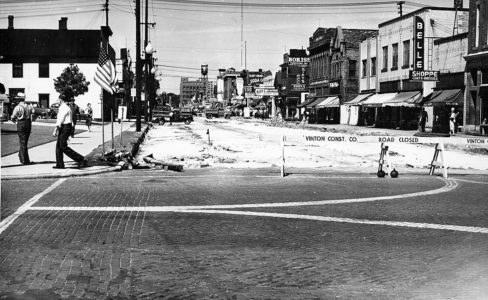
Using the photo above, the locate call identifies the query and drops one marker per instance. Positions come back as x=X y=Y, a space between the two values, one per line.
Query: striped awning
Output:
x=359 y=99
x=449 y=97
x=328 y=102
x=377 y=100
x=405 y=99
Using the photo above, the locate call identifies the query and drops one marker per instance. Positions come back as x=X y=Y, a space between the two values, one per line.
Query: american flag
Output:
x=105 y=74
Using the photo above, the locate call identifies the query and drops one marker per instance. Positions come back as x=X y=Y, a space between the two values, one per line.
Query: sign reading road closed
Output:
x=424 y=75
x=328 y=138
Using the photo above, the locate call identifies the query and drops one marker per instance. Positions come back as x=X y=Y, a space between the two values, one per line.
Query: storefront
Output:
x=351 y=112
x=440 y=103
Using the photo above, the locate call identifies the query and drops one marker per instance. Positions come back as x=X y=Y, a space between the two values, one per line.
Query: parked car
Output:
x=164 y=114
x=40 y=111
x=54 y=110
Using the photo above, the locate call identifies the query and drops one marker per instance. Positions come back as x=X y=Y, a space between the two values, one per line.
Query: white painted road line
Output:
x=26 y=206
x=344 y=220
x=472 y=181
x=450 y=185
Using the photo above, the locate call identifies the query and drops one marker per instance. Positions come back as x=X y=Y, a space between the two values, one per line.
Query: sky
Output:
x=189 y=33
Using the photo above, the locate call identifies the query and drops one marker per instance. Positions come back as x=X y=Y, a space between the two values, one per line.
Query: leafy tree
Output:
x=71 y=79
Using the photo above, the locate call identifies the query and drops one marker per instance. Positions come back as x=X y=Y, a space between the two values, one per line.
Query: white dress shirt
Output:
x=64 y=115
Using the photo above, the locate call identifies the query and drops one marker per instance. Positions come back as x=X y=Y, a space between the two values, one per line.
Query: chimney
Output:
x=10 y=22
x=63 y=23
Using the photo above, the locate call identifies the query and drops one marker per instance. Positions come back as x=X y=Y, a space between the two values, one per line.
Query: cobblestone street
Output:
x=148 y=234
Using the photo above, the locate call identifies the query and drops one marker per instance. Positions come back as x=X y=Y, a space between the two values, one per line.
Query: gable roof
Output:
x=56 y=45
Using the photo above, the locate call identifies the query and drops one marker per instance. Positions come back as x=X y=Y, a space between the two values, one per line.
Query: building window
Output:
x=43 y=69
x=385 y=59
x=364 y=67
x=352 y=69
x=44 y=100
x=373 y=66
x=406 y=54
x=394 y=62
x=478 y=29
x=484 y=76
x=17 y=70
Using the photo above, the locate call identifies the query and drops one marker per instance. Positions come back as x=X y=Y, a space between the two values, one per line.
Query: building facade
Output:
x=191 y=91
x=31 y=61
x=408 y=68
x=294 y=81
x=334 y=70
x=476 y=95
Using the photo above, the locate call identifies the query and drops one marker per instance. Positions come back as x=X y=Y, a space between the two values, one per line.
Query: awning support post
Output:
x=283 y=139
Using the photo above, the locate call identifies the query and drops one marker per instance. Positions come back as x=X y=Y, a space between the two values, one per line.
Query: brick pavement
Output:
x=127 y=253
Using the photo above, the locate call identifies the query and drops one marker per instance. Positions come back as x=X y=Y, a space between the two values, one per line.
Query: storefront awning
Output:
x=315 y=102
x=359 y=99
x=328 y=102
x=448 y=97
x=377 y=100
x=405 y=99
x=306 y=102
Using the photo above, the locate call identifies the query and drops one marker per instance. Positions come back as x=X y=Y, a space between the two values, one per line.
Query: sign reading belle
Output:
x=419 y=36
x=419 y=73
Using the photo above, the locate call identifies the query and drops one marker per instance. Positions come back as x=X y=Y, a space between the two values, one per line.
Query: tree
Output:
x=71 y=79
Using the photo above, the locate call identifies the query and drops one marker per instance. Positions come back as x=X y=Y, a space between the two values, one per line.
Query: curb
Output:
x=118 y=167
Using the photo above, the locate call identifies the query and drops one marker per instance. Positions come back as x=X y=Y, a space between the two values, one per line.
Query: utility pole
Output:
x=138 y=65
x=106 y=12
x=146 y=63
x=400 y=7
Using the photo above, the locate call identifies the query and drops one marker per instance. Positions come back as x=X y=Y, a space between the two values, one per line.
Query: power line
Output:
x=277 y=5
x=54 y=14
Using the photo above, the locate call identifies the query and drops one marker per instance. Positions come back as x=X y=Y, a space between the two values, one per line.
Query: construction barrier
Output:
x=438 y=159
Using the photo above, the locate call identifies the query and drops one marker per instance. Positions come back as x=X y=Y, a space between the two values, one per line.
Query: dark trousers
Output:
x=24 y=129
x=62 y=146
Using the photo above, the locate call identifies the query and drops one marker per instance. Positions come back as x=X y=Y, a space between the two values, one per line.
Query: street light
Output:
x=148 y=50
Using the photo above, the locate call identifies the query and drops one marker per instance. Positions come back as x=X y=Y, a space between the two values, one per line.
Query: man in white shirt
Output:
x=64 y=125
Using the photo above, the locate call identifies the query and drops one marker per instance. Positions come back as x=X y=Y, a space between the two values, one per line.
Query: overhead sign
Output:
x=266 y=92
x=419 y=37
x=255 y=78
x=424 y=75
x=298 y=87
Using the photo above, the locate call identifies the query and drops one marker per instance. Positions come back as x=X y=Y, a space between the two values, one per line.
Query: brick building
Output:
x=476 y=96
x=294 y=80
x=334 y=75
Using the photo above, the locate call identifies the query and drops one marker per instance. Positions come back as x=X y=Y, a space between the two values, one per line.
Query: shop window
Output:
x=406 y=54
x=394 y=61
x=17 y=70
x=385 y=59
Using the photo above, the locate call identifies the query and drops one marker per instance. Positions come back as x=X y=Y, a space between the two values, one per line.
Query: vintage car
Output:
x=168 y=114
x=39 y=111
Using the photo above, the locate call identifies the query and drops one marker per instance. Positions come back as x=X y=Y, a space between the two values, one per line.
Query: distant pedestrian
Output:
x=64 y=126
x=75 y=110
x=23 y=115
x=89 y=116
x=453 y=121
x=423 y=118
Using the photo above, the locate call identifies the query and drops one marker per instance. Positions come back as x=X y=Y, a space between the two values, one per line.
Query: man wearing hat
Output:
x=22 y=115
x=64 y=125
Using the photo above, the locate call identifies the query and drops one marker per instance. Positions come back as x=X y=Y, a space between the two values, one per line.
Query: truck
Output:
x=217 y=110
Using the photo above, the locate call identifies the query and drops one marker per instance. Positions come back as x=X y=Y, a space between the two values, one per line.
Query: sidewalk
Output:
x=44 y=156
